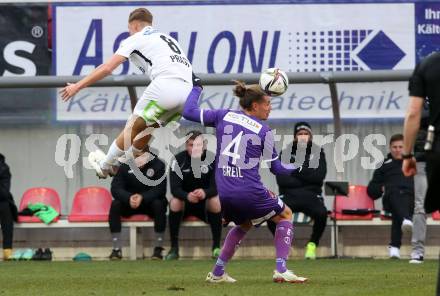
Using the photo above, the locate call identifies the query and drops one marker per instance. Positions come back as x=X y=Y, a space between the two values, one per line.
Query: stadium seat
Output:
x=91 y=204
x=385 y=215
x=137 y=218
x=44 y=195
x=357 y=206
x=436 y=215
x=192 y=219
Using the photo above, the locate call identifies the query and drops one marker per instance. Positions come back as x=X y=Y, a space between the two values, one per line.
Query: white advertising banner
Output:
x=226 y=38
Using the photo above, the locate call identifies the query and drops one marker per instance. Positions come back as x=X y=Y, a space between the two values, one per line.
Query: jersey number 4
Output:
x=234 y=144
x=171 y=44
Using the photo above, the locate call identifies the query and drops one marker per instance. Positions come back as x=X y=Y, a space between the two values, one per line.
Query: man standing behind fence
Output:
x=425 y=83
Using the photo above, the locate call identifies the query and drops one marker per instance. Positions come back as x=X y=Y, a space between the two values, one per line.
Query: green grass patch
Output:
x=186 y=277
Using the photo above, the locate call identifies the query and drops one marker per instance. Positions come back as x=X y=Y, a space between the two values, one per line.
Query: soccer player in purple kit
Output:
x=243 y=141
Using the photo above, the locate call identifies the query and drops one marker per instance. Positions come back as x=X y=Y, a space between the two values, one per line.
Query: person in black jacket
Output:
x=303 y=192
x=8 y=210
x=194 y=194
x=397 y=191
x=424 y=85
x=131 y=196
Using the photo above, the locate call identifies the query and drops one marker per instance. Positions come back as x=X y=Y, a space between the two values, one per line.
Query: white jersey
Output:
x=156 y=54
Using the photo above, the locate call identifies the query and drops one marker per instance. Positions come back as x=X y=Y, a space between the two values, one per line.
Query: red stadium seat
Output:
x=192 y=219
x=91 y=204
x=44 y=195
x=385 y=215
x=357 y=200
x=436 y=215
x=137 y=218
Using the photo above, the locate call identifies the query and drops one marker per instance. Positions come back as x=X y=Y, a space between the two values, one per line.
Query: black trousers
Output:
x=401 y=205
x=198 y=210
x=310 y=204
x=432 y=200
x=156 y=209
x=7 y=224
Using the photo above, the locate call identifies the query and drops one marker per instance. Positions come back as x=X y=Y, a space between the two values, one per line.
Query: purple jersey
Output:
x=243 y=142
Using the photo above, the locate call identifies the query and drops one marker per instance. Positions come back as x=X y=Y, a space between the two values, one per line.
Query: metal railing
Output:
x=211 y=79
x=131 y=81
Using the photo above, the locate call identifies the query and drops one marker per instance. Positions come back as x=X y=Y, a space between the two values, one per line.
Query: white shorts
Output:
x=163 y=100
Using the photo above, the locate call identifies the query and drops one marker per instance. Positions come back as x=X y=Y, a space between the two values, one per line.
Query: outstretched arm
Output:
x=99 y=73
x=192 y=111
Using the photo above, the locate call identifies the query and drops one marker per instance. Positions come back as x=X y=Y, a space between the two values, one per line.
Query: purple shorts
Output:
x=257 y=209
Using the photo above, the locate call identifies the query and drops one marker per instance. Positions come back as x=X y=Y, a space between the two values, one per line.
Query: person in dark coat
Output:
x=424 y=85
x=195 y=194
x=397 y=192
x=303 y=192
x=131 y=196
x=8 y=210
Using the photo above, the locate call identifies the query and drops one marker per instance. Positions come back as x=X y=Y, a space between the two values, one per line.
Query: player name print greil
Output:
x=232 y=171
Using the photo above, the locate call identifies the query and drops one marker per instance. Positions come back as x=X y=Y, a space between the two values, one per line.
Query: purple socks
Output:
x=232 y=242
x=283 y=241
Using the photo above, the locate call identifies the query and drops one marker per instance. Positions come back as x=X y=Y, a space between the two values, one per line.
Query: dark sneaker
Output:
x=173 y=254
x=38 y=254
x=157 y=253
x=47 y=255
x=416 y=260
x=116 y=254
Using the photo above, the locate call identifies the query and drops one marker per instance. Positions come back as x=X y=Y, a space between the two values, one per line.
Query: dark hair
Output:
x=396 y=137
x=141 y=14
x=248 y=94
x=193 y=134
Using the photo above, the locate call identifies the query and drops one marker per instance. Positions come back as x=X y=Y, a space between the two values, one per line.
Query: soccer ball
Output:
x=274 y=81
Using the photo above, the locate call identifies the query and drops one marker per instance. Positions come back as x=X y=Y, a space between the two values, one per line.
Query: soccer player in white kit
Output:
x=157 y=55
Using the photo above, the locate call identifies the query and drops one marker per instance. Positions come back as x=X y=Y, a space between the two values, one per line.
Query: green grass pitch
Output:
x=186 y=277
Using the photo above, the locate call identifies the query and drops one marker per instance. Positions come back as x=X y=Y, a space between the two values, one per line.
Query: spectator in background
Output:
x=131 y=196
x=8 y=210
x=397 y=192
x=195 y=194
x=303 y=192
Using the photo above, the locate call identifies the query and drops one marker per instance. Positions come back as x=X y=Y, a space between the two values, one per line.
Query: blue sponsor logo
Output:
x=342 y=50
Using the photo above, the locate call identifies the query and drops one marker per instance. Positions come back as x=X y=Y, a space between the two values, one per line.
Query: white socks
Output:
x=111 y=158
x=112 y=155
